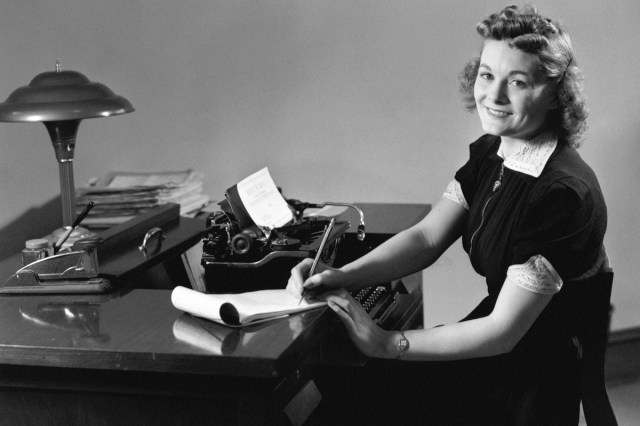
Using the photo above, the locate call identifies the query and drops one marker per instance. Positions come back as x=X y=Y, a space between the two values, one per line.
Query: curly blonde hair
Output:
x=528 y=31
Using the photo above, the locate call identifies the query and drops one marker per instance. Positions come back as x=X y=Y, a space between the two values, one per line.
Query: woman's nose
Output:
x=497 y=92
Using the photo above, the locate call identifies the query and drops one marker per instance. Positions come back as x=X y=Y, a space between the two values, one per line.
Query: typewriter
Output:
x=240 y=256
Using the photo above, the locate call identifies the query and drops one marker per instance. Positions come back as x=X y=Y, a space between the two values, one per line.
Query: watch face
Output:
x=403 y=345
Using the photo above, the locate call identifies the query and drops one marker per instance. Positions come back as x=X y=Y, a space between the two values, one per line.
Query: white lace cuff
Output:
x=454 y=193
x=536 y=275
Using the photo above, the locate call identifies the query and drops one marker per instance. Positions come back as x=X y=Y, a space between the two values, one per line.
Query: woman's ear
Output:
x=554 y=103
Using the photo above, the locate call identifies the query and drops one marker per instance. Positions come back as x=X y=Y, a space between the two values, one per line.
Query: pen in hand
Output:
x=75 y=224
x=325 y=237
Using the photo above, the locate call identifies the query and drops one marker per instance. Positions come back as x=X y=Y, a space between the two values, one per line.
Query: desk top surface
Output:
x=140 y=330
x=387 y=218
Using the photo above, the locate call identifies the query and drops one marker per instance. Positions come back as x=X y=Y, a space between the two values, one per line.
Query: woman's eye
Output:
x=486 y=76
x=519 y=84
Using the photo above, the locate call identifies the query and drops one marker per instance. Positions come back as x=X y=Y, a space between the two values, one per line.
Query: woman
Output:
x=532 y=219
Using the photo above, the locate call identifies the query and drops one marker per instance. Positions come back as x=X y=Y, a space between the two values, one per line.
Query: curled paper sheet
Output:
x=241 y=309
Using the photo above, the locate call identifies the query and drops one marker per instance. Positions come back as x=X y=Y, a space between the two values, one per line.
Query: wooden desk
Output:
x=130 y=357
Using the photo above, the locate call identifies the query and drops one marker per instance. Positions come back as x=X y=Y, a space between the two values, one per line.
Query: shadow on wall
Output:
x=36 y=222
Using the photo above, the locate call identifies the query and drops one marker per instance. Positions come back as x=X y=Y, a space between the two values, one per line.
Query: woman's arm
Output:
x=515 y=311
x=407 y=252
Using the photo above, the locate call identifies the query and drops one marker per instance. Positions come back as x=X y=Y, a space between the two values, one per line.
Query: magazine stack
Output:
x=120 y=196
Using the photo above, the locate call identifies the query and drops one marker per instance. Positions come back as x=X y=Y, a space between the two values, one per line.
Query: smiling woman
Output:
x=532 y=219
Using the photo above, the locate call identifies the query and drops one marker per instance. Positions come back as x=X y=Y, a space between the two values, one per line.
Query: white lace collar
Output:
x=532 y=155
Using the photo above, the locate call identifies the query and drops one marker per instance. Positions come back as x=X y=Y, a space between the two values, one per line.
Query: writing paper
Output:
x=241 y=309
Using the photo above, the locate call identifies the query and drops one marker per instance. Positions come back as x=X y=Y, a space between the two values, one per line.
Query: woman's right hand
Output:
x=325 y=279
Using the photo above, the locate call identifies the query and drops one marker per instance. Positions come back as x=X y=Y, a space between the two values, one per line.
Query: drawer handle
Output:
x=153 y=232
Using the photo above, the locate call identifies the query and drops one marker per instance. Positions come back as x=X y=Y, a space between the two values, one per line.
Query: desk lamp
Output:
x=60 y=100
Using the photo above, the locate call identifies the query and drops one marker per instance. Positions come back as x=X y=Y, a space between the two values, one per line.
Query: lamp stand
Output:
x=63 y=137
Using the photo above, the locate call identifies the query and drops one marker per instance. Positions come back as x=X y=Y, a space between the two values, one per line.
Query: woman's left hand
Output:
x=370 y=339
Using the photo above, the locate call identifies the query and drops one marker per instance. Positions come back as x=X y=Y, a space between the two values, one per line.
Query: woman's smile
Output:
x=497 y=113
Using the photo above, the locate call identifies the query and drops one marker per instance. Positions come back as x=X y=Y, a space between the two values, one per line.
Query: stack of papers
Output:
x=120 y=196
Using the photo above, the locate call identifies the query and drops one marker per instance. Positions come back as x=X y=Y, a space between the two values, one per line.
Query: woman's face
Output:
x=512 y=96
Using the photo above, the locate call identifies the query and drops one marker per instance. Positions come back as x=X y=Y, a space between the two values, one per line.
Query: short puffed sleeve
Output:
x=454 y=193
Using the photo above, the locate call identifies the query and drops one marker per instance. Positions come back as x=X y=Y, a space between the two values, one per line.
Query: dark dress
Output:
x=561 y=215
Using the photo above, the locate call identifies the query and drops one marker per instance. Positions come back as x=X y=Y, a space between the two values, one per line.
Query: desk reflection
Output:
x=212 y=337
x=81 y=319
x=219 y=339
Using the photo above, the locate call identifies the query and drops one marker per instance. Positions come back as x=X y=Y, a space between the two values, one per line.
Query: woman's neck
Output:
x=510 y=146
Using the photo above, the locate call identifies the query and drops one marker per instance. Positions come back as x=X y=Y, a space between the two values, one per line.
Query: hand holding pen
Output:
x=325 y=237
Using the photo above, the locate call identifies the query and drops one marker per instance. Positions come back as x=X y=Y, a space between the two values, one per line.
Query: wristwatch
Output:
x=402 y=345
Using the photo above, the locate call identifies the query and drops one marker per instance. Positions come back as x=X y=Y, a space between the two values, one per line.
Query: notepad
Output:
x=241 y=309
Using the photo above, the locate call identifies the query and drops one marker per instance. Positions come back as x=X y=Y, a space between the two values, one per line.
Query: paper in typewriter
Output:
x=241 y=309
x=262 y=200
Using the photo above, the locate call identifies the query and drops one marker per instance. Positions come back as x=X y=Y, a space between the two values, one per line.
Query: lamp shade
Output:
x=62 y=95
x=60 y=100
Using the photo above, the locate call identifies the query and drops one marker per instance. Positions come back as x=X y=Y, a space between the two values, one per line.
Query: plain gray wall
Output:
x=343 y=100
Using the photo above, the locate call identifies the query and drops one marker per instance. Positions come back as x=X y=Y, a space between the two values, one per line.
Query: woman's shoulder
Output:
x=566 y=170
x=566 y=163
